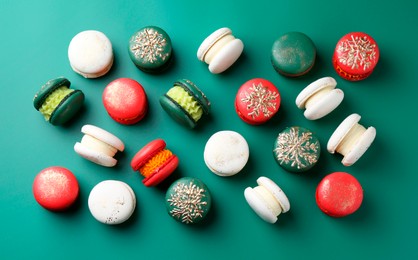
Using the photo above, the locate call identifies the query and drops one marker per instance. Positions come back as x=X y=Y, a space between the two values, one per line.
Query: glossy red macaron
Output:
x=125 y=101
x=55 y=188
x=355 y=56
x=339 y=194
x=154 y=162
x=257 y=101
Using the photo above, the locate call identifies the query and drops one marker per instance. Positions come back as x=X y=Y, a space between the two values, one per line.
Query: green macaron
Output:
x=185 y=102
x=57 y=102
x=188 y=200
x=296 y=149
x=150 y=49
x=293 y=54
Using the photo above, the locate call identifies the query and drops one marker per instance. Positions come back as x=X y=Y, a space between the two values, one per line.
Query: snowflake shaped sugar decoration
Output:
x=297 y=147
x=357 y=52
x=260 y=99
x=188 y=202
x=149 y=45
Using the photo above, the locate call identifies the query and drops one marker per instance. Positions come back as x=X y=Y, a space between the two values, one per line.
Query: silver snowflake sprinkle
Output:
x=149 y=45
x=357 y=52
x=296 y=149
x=260 y=100
x=187 y=202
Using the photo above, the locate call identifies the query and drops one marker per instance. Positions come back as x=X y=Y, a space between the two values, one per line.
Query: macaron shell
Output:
x=210 y=41
x=259 y=206
x=313 y=88
x=176 y=111
x=94 y=156
x=341 y=131
x=257 y=101
x=112 y=202
x=90 y=53
x=162 y=172
x=325 y=105
x=47 y=89
x=226 y=56
x=194 y=91
x=360 y=147
x=339 y=194
x=146 y=153
x=276 y=191
x=68 y=108
x=125 y=101
x=55 y=188
x=103 y=136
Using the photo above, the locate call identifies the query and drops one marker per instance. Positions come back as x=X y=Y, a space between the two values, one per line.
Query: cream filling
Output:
x=271 y=203
x=97 y=145
x=215 y=48
x=315 y=97
x=351 y=138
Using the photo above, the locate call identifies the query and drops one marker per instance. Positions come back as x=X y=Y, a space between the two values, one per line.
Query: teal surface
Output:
x=34 y=41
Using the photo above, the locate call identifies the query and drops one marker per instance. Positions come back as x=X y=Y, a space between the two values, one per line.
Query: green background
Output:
x=34 y=41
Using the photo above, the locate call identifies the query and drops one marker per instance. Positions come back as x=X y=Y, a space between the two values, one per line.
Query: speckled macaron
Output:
x=55 y=188
x=296 y=149
x=125 y=101
x=150 y=49
x=293 y=54
x=257 y=101
x=188 y=200
x=57 y=102
x=355 y=56
x=339 y=194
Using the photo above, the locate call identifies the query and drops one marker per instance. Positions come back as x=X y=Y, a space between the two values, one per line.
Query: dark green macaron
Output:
x=296 y=149
x=185 y=102
x=150 y=49
x=293 y=54
x=188 y=200
x=57 y=102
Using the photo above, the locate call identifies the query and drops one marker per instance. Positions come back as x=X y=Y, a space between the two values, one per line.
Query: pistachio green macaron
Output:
x=57 y=102
x=185 y=102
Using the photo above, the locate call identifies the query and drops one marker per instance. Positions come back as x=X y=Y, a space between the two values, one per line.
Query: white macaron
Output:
x=267 y=200
x=112 y=202
x=220 y=50
x=319 y=98
x=90 y=53
x=226 y=153
x=351 y=139
x=98 y=146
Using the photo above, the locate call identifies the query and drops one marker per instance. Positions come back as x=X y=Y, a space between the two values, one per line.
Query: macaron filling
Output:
x=350 y=139
x=271 y=203
x=186 y=101
x=156 y=161
x=217 y=47
x=98 y=145
x=53 y=100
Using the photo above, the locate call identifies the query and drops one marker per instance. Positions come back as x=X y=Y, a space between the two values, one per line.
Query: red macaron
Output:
x=125 y=101
x=339 y=194
x=257 y=101
x=55 y=188
x=154 y=162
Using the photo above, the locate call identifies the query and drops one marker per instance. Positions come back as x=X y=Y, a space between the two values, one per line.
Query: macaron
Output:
x=355 y=56
x=150 y=49
x=185 y=102
x=112 y=202
x=98 y=146
x=267 y=200
x=154 y=162
x=220 y=50
x=339 y=194
x=257 y=101
x=226 y=153
x=296 y=149
x=188 y=200
x=293 y=54
x=57 y=102
x=125 y=101
x=319 y=98
x=351 y=139
x=55 y=188
x=90 y=53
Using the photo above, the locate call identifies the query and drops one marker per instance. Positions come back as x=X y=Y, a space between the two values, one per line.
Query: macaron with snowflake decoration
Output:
x=355 y=56
x=150 y=49
x=188 y=200
x=257 y=101
x=296 y=149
